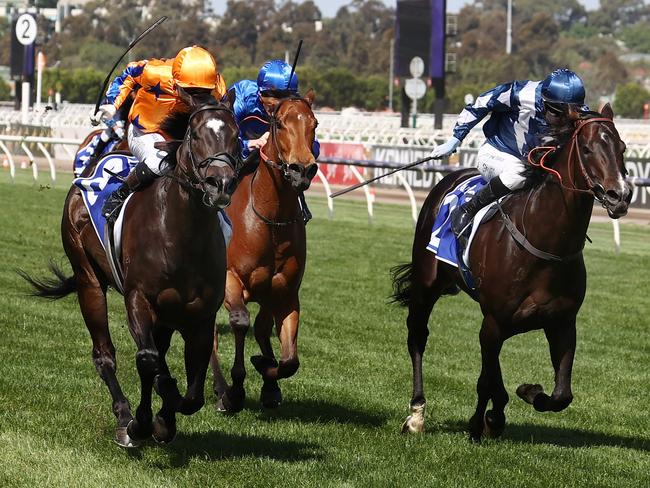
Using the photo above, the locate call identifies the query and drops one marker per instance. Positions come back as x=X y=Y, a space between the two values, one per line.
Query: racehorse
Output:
x=518 y=287
x=266 y=257
x=174 y=262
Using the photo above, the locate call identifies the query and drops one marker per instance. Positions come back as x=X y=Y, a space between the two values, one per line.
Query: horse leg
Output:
x=562 y=346
x=287 y=318
x=92 y=300
x=271 y=396
x=164 y=423
x=219 y=383
x=418 y=333
x=233 y=399
x=141 y=320
x=490 y=385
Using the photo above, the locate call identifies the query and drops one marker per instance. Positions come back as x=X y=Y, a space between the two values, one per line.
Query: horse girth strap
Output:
x=525 y=243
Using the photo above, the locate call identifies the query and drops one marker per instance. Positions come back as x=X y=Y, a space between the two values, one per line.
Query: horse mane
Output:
x=557 y=135
x=175 y=124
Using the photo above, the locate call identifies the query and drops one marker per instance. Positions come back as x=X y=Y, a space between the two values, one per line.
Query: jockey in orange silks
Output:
x=195 y=70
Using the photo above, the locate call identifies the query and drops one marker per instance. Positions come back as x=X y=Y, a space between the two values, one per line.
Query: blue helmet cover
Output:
x=563 y=86
x=274 y=75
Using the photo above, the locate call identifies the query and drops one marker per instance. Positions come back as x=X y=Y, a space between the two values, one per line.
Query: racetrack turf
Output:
x=340 y=422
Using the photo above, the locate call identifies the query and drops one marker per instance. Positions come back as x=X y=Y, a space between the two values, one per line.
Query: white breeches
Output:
x=141 y=145
x=491 y=163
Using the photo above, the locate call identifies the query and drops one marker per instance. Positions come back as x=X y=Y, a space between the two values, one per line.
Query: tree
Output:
x=630 y=99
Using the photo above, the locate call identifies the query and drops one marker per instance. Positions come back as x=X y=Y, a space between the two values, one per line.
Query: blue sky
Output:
x=329 y=7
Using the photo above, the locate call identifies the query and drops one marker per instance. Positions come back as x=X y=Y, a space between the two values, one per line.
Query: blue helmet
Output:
x=563 y=86
x=274 y=75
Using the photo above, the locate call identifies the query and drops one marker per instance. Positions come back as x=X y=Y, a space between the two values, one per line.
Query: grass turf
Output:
x=339 y=424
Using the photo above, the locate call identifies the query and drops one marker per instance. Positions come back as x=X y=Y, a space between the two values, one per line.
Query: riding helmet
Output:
x=194 y=67
x=274 y=75
x=563 y=86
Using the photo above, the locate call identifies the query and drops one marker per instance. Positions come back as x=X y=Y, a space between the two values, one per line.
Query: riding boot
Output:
x=306 y=214
x=462 y=216
x=140 y=177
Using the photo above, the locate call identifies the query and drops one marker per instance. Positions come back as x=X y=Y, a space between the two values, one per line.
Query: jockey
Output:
x=193 y=69
x=519 y=112
x=251 y=116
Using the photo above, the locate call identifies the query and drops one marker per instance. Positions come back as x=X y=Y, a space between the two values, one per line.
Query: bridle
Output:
x=595 y=189
x=289 y=171
x=195 y=179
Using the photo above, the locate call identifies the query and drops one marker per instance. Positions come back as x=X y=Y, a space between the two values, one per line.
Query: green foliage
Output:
x=637 y=37
x=340 y=420
x=77 y=86
x=630 y=99
x=5 y=90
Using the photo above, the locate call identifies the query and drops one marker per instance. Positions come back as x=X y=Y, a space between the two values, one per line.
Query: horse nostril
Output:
x=311 y=171
x=613 y=196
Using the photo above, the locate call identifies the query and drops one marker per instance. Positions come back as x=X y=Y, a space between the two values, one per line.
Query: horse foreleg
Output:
x=164 y=424
x=92 y=300
x=233 y=399
x=141 y=319
x=219 y=383
x=562 y=345
x=490 y=385
x=271 y=396
x=287 y=318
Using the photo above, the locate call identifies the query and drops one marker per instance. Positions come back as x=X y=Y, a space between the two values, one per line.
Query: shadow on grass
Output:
x=557 y=436
x=318 y=412
x=216 y=445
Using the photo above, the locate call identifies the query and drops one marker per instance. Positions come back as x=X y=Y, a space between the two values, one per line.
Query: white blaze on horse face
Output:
x=216 y=125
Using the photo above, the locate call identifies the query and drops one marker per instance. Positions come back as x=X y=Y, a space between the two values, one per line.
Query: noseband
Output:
x=596 y=190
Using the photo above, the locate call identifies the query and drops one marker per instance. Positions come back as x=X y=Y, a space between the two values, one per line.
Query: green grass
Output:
x=339 y=425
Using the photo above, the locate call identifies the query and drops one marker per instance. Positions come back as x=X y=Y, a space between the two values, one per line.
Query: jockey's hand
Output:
x=104 y=113
x=258 y=143
x=444 y=150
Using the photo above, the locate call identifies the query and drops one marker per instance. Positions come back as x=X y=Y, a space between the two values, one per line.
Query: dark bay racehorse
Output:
x=266 y=257
x=174 y=262
x=518 y=291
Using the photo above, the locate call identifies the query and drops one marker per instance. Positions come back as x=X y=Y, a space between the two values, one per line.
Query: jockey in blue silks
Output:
x=519 y=112
x=251 y=116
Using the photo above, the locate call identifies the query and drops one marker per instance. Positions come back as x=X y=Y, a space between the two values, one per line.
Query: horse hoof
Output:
x=494 y=424
x=123 y=439
x=414 y=423
x=163 y=433
x=231 y=402
x=271 y=398
x=528 y=392
x=132 y=430
x=263 y=363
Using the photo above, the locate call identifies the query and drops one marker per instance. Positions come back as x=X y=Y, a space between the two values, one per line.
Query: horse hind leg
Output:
x=562 y=346
x=271 y=395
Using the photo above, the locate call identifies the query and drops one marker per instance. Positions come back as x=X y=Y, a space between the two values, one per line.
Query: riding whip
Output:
x=364 y=183
x=133 y=43
x=295 y=62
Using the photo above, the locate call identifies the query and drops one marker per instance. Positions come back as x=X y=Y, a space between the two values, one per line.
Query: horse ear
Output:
x=270 y=103
x=185 y=97
x=310 y=96
x=170 y=147
x=229 y=99
x=607 y=111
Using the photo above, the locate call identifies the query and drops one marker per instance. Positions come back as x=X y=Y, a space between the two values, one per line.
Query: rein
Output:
x=573 y=148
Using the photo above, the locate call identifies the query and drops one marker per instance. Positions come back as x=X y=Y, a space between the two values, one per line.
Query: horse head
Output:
x=208 y=155
x=599 y=151
x=293 y=130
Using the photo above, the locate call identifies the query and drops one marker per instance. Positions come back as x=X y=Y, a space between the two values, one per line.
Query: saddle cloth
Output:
x=443 y=242
x=84 y=154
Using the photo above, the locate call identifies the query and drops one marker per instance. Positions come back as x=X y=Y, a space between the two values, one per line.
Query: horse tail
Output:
x=402 y=276
x=53 y=288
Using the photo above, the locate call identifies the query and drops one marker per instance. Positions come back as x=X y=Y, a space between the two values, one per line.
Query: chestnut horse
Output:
x=174 y=262
x=519 y=291
x=266 y=257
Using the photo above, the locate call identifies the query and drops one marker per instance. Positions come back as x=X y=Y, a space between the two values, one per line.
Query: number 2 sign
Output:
x=26 y=29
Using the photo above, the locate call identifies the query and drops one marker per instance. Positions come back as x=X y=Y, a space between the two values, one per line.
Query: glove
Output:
x=444 y=150
x=104 y=113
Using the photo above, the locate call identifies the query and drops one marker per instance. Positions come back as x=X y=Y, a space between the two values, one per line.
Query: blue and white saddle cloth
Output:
x=443 y=242
x=84 y=154
x=97 y=187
